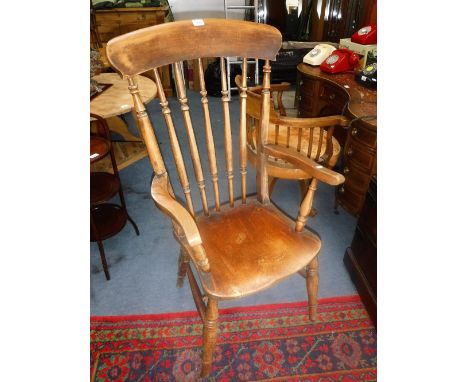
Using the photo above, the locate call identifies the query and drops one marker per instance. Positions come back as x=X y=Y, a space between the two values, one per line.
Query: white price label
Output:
x=198 y=22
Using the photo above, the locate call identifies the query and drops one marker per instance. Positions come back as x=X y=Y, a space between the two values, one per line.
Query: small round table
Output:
x=115 y=101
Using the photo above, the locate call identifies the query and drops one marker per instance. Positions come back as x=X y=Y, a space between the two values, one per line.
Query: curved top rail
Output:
x=142 y=50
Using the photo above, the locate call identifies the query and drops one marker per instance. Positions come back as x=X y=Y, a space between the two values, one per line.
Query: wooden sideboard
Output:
x=361 y=257
x=114 y=22
x=322 y=94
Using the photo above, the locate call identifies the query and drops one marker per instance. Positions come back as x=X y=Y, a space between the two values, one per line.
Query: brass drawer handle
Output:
x=341 y=190
x=299 y=98
x=354 y=131
x=350 y=151
x=301 y=82
x=332 y=96
x=345 y=170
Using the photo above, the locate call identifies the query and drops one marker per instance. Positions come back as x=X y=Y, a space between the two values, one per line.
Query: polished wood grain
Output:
x=246 y=244
x=259 y=247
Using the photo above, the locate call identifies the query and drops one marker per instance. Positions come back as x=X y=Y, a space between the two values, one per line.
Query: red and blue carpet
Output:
x=262 y=343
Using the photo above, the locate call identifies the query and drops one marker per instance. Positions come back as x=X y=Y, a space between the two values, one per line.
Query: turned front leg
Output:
x=306 y=206
x=210 y=328
x=312 y=281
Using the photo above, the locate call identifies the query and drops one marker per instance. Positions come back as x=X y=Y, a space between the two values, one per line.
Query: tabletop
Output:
x=362 y=101
x=117 y=100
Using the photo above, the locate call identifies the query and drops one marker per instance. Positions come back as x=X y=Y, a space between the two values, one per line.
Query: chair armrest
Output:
x=306 y=164
x=332 y=120
x=167 y=203
x=280 y=87
x=273 y=87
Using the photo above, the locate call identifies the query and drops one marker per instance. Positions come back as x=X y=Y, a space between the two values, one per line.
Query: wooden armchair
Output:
x=260 y=245
x=310 y=137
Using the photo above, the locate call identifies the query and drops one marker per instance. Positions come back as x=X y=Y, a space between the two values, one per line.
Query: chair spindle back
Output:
x=172 y=43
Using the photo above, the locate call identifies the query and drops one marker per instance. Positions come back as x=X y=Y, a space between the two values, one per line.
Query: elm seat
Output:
x=251 y=247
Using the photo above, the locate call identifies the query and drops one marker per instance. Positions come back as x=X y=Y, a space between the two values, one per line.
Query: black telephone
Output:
x=368 y=76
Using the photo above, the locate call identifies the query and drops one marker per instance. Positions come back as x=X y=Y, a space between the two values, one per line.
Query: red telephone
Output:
x=366 y=35
x=341 y=60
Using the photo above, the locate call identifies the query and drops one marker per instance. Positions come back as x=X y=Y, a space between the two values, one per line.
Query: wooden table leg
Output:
x=119 y=126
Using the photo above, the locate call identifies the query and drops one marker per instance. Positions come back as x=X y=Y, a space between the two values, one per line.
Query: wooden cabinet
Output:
x=111 y=23
x=359 y=165
x=321 y=94
x=361 y=257
x=117 y=21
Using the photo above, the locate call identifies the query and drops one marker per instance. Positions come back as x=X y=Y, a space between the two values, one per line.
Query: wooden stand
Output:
x=107 y=219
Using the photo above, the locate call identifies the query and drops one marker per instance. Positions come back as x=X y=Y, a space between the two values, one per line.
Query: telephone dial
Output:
x=317 y=55
x=366 y=35
x=341 y=60
x=368 y=76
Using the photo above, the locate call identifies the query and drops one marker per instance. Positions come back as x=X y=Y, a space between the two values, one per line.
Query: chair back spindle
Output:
x=210 y=147
x=243 y=131
x=227 y=133
x=176 y=151
x=146 y=129
x=193 y=147
x=262 y=138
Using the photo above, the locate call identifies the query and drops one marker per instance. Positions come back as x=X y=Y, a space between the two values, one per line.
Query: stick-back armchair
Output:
x=244 y=245
x=310 y=137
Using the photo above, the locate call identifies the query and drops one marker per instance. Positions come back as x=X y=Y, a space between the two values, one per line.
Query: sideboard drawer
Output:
x=355 y=177
x=363 y=135
x=359 y=155
x=350 y=199
x=332 y=94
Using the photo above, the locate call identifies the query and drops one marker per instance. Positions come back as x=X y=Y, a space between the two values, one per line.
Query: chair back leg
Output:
x=184 y=259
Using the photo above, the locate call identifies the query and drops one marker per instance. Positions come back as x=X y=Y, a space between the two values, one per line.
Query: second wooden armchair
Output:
x=309 y=137
x=260 y=245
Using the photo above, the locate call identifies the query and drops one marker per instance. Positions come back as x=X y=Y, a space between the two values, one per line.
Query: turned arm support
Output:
x=279 y=89
x=166 y=202
x=311 y=167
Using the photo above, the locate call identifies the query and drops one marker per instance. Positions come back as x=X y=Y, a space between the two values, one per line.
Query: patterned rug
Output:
x=261 y=343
